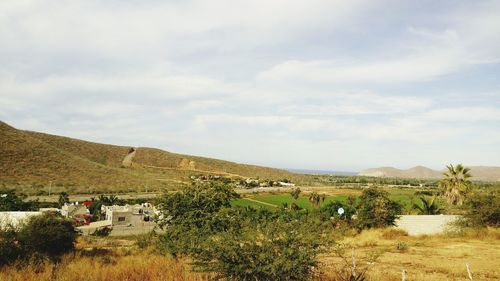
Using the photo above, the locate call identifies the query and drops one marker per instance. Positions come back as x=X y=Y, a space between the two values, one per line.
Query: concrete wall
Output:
x=15 y=217
x=425 y=224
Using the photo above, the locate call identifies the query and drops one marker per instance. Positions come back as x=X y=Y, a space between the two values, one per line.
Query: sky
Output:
x=316 y=84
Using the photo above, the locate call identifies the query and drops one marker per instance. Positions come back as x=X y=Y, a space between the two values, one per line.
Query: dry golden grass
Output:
x=437 y=257
x=143 y=266
x=106 y=259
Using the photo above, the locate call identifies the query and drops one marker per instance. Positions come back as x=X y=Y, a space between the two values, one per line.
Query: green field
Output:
x=403 y=196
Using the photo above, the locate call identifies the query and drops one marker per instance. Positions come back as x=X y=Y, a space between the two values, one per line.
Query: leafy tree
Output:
x=330 y=211
x=10 y=250
x=271 y=250
x=239 y=243
x=482 y=209
x=456 y=184
x=428 y=206
x=375 y=209
x=10 y=201
x=194 y=213
x=63 y=199
x=48 y=234
x=95 y=210
x=45 y=236
x=109 y=200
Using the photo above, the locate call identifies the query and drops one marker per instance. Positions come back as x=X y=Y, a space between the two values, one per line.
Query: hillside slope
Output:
x=28 y=160
x=32 y=159
x=479 y=173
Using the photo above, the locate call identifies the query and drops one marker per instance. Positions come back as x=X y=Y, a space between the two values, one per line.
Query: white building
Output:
x=287 y=184
x=129 y=214
x=74 y=210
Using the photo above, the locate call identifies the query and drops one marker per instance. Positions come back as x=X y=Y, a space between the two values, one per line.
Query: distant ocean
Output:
x=322 y=172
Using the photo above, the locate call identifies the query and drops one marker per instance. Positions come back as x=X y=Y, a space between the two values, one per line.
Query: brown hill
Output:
x=480 y=173
x=34 y=160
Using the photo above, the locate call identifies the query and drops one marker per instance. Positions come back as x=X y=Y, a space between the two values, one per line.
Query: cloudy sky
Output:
x=316 y=84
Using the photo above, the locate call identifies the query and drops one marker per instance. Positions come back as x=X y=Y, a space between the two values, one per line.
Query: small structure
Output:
x=78 y=212
x=425 y=224
x=129 y=215
x=53 y=210
x=286 y=184
x=15 y=218
x=74 y=210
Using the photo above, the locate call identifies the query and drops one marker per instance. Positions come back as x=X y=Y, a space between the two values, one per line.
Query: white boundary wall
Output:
x=15 y=217
x=425 y=224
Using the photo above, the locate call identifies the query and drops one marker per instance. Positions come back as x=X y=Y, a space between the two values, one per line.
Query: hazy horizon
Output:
x=317 y=85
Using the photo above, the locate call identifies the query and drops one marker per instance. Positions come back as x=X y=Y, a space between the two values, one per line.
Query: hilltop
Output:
x=479 y=173
x=35 y=160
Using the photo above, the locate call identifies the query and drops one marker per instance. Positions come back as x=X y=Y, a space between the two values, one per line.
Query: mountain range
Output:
x=34 y=162
x=479 y=173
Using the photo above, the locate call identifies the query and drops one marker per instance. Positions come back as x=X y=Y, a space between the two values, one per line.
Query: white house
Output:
x=129 y=214
x=74 y=210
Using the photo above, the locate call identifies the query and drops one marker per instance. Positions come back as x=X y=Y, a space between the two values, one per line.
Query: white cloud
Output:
x=461 y=115
x=293 y=80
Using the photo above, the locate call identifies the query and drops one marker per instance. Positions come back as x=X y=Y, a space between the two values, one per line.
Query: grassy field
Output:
x=403 y=196
x=441 y=257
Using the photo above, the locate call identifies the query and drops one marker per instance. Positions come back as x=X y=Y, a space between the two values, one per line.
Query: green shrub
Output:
x=276 y=250
x=240 y=243
x=401 y=246
x=10 y=250
x=102 y=232
x=10 y=201
x=482 y=209
x=43 y=237
x=375 y=209
x=49 y=234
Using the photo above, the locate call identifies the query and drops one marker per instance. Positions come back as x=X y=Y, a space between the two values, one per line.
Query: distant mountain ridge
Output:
x=323 y=172
x=479 y=173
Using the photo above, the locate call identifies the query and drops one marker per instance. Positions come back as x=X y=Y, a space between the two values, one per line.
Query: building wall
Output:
x=425 y=224
x=121 y=218
x=15 y=217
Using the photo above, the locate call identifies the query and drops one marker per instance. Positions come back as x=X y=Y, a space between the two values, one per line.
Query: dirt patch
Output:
x=187 y=164
x=128 y=160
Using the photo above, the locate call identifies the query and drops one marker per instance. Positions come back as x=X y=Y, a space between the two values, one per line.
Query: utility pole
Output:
x=50 y=186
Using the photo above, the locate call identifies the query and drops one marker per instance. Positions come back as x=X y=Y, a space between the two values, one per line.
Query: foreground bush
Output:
x=9 y=248
x=240 y=243
x=275 y=250
x=10 y=201
x=482 y=209
x=375 y=209
x=45 y=236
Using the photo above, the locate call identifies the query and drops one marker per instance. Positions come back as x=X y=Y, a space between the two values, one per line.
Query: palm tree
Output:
x=456 y=183
x=315 y=199
x=428 y=207
x=63 y=198
x=109 y=200
x=295 y=193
